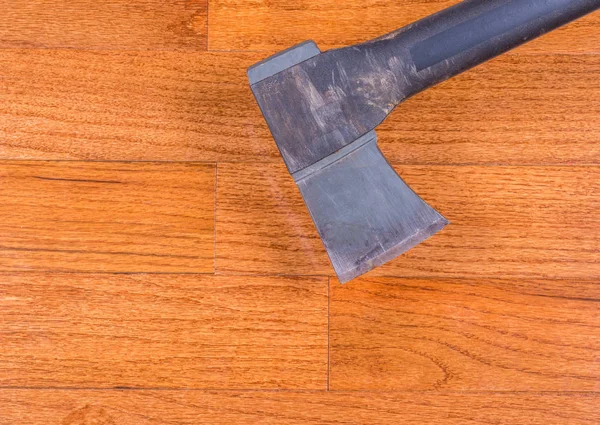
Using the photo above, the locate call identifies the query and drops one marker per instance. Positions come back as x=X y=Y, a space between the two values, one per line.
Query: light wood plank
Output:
x=506 y=221
x=197 y=106
x=109 y=217
x=275 y=25
x=109 y=24
x=465 y=335
x=191 y=331
x=288 y=408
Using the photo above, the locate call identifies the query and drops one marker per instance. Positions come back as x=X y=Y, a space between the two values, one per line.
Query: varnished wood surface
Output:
x=108 y=217
x=294 y=408
x=173 y=331
x=165 y=106
x=158 y=265
x=268 y=25
x=505 y=221
x=105 y=25
x=465 y=335
x=518 y=110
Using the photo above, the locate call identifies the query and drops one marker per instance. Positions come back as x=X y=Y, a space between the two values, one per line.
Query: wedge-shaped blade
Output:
x=365 y=214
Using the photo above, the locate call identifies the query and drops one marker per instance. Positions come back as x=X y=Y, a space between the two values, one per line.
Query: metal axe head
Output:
x=321 y=109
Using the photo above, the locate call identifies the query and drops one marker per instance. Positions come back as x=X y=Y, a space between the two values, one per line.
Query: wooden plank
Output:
x=109 y=217
x=192 y=331
x=513 y=110
x=129 y=106
x=168 y=106
x=263 y=225
x=465 y=335
x=112 y=24
x=276 y=25
x=293 y=408
x=506 y=221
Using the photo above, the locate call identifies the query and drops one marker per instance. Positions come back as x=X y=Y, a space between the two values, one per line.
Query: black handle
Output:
x=470 y=33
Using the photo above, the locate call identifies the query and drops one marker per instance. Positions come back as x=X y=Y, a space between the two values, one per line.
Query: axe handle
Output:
x=470 y=33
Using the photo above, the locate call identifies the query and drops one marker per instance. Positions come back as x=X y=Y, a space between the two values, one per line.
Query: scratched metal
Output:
x=321 y=108
x=365 y=214
x=282 y=60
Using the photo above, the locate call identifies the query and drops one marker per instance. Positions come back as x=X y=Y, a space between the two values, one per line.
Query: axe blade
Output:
x=364 y=212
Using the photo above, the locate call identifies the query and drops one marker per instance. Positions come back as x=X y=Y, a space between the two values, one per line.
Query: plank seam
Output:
x=215 y=219
x=207 y=26
x=302 y=391
x=276 y=162
x=41 y=271
x=266 y=52
x=328 y=333
x=384 y=276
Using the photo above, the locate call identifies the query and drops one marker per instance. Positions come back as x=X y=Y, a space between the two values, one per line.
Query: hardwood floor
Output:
x=180 y=106
x=267 y=25
x=81 y=407
x=465 y=335
x=105 y=25
x=107 y=216
x=171 y=331
x=158 y=265
x=527 y=221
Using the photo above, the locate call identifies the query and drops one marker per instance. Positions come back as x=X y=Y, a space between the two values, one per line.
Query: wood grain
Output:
x=492 y=321
x=505 y=221
x=109 y=217
x=111 y=24
x=276 y=25
x=465 y=335
x=263 y=225
x=130 y=105
x=194 y=331
x=289 y=408
x=536 y=109
x=533 y=109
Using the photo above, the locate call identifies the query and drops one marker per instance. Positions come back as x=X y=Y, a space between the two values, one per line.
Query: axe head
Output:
x=365 y=214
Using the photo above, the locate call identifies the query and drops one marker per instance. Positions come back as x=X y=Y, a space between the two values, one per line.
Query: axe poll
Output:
x=322 y=109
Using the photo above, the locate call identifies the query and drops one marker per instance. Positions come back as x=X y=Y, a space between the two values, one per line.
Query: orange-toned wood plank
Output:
x=275 y=25
x=109 y=217
x=465 y=335
x=129 y=106
x=513 y=110
x=51 y=407
x=506 y=221
x=192 y=331
x=263 y=225
x=111 y=24
x=197 y=106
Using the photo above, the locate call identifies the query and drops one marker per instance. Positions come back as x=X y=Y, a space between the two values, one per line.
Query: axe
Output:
x=322 y=109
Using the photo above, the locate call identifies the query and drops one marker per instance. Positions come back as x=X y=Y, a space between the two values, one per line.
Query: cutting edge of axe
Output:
x=322 y=109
